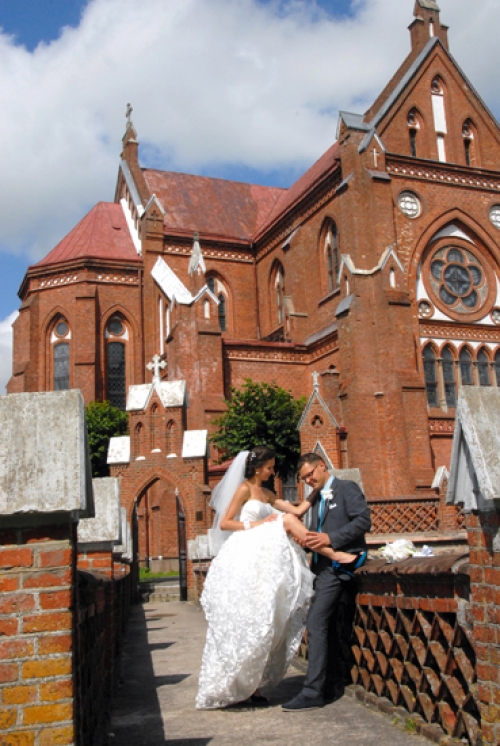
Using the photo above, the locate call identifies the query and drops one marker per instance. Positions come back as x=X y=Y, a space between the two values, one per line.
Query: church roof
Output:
x=212 y=206
x=102 y=234
x=327 y=162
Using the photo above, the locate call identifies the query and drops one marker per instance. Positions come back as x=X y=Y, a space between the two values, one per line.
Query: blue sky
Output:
x=33 y=21
x=240 y=89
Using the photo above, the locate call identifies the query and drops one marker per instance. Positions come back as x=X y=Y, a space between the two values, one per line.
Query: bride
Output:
x=258 y=587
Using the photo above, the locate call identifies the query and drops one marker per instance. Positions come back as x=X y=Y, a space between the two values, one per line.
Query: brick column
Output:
x=37 y=576
x=45 y=487
x=483 y=528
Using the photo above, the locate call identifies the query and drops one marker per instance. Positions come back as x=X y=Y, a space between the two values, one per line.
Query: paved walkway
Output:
x=154 y=705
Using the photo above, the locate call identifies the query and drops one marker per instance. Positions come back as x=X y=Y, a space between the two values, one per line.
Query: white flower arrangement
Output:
x=402 y=549
x=327 y=495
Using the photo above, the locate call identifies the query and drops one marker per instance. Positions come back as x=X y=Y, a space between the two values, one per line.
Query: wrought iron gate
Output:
x=181 y=532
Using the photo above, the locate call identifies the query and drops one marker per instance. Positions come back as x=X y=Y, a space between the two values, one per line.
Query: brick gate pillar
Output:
x=45 y=486
x=475 y=484
x=483 y=529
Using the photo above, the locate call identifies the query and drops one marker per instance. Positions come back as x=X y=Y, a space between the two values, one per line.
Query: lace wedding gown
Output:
x=255 y=600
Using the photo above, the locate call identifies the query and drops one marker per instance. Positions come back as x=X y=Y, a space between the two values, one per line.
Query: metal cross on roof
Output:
x=128 y=113
x=156 y=366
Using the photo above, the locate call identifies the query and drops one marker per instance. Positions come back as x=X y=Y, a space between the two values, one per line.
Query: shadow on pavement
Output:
x=189 y=742
x=136 y=718
x=160 y=645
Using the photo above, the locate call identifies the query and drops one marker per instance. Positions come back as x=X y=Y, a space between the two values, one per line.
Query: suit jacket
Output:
x=346 y=520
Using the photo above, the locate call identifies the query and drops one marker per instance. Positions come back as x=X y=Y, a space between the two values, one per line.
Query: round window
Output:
x=495 y=316
x=458 y=282
x=61 y=328
x=409 y=204
x=115 y=327
x=425 y=309
x=495 y=216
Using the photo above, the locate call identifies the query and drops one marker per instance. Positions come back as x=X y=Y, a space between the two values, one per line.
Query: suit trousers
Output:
x=325 y=668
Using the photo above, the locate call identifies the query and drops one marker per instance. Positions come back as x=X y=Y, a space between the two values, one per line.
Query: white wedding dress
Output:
x=255 y=600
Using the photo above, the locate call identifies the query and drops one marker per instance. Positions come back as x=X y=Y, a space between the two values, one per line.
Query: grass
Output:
x=146 y=574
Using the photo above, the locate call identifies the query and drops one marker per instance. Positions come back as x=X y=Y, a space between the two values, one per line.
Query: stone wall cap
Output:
x=475 y=459
x=194 y=444
x=119 y=450
x=44 y=460
x=453 y=563
x=106 y=524
x=171 y=394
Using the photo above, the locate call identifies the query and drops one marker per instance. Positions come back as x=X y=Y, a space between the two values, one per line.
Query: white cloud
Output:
x=6 y=350
x=211 y=82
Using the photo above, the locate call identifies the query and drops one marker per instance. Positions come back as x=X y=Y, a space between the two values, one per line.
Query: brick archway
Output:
x=156 y=532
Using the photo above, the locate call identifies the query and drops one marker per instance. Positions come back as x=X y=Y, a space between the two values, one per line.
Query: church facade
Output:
x=376 y=275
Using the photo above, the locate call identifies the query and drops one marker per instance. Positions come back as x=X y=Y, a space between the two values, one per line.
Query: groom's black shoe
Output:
x=332 y=695
x=303 y=702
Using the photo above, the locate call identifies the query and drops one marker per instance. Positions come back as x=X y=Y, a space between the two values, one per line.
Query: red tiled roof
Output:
x=327 y=162
x=214 y=206
x=102 y=234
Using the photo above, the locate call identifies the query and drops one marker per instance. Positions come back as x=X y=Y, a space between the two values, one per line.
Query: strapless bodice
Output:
x=255 y=510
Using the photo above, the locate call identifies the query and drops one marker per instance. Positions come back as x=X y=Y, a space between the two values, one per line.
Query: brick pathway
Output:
x=154 y=705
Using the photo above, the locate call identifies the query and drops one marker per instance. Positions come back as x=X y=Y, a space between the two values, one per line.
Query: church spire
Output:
x=428 y=4
x=427 y=25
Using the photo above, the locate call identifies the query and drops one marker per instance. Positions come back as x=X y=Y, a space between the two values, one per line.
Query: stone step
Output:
x=163 y=597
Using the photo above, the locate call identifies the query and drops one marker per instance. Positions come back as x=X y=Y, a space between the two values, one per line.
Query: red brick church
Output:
x=378 y=271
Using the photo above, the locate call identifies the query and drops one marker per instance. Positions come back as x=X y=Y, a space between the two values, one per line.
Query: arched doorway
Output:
x=160 y=536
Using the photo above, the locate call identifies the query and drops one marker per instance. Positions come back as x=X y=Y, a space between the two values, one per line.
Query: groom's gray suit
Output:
x=346 y=519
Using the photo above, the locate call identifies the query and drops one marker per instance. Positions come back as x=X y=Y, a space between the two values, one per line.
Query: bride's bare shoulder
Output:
x=243 y=493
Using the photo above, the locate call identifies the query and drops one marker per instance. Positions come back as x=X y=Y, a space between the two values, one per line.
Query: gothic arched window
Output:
x=413 y=129
x=61 y=366
x=469 y=135
x=483 y=368
x=448 y=363
x=170 y=436
x=222 y=311
x=60 y=340
x=279 y=290
x=497 y=367
x=439 y=113
x=466 y=367
x=430 y=374
x=331 y=250
x=116 y=346
x=217 y=287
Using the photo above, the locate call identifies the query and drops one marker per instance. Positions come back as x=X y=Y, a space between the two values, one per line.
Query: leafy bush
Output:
x=261 y=414
x=103 y=422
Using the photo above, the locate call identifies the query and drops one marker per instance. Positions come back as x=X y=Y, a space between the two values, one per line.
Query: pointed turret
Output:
x=427 y=25
x=130 y=157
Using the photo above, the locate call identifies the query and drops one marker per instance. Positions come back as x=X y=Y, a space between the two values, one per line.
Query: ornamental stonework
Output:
x=227 y=254
x=453 y=177
x=469 y=333
x=459 y=281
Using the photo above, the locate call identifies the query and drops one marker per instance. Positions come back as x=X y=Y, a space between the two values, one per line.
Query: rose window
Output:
x=458 y=280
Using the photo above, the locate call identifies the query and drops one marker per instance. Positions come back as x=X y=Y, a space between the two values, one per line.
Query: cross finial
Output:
x=315 y=376
x=155 y=367
x=128 y=113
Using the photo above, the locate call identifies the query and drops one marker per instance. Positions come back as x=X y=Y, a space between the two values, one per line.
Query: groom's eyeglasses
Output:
x=309 y=474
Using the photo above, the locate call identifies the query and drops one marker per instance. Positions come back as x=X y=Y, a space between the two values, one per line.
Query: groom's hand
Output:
x=315 y=540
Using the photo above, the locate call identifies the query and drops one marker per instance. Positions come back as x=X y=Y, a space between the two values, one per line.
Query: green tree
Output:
x=261 y=414
x=103 y=422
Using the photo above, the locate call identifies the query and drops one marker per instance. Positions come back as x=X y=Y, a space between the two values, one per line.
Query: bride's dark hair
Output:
x=257 y=457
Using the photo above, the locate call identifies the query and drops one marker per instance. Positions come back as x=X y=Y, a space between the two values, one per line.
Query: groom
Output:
x=342 y=517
